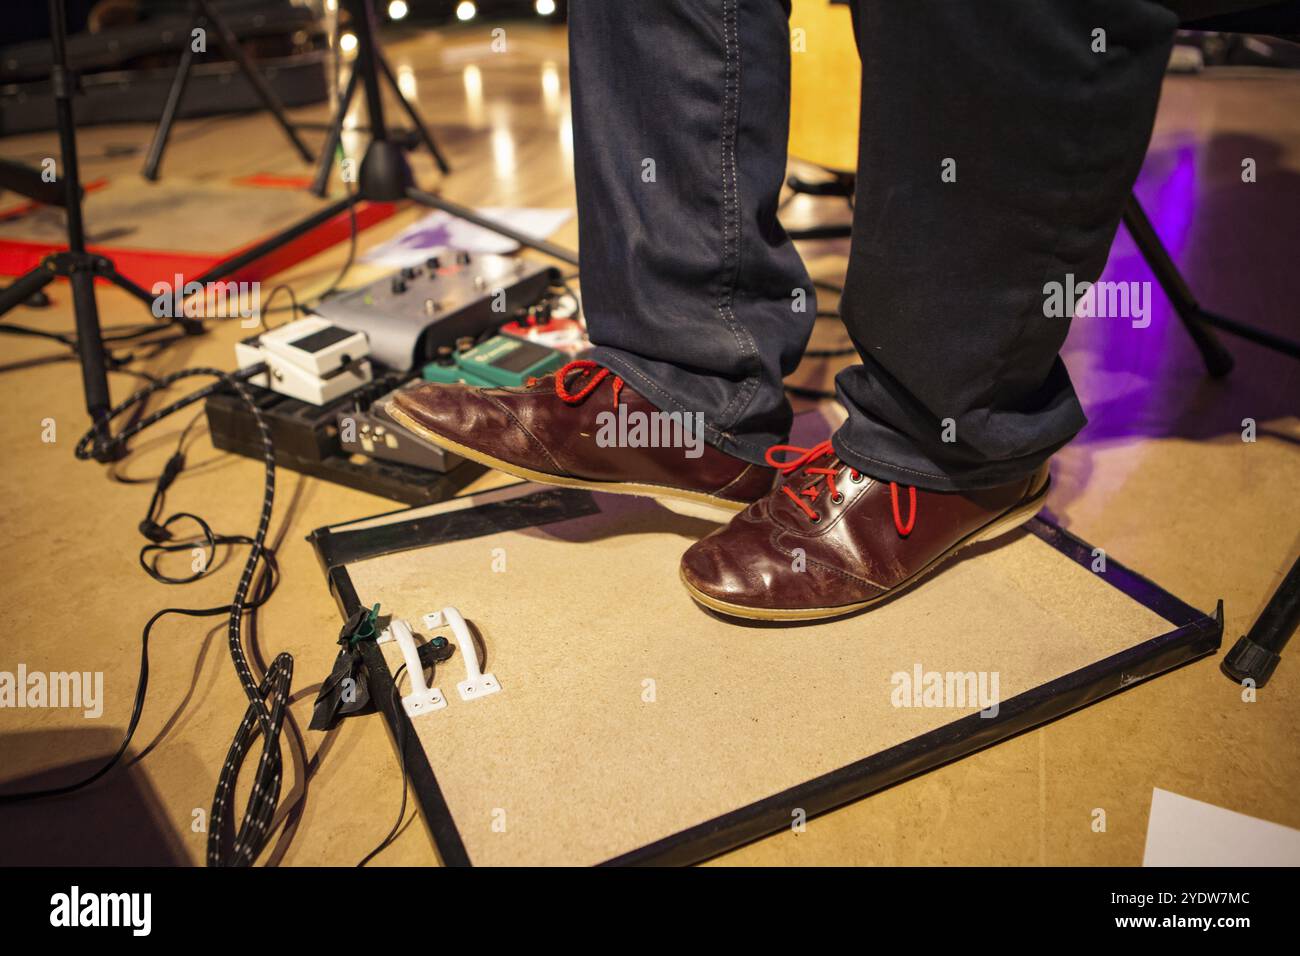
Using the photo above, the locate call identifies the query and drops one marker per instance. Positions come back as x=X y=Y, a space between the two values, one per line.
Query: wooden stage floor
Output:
x=1161 y=478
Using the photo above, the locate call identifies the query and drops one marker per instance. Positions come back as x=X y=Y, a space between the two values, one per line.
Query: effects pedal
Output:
x=501 y=361
x=408 y=315
x=311 y=360
x=549 y=323
x=367 y=429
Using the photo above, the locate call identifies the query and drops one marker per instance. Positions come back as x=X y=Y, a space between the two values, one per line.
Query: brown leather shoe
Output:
x=830 y=540
x=548 y=432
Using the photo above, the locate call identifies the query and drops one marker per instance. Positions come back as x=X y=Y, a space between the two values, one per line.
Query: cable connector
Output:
x=175 y=464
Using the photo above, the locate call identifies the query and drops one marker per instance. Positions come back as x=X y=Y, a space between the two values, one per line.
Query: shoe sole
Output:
x=1007 y=522
x=541 y=477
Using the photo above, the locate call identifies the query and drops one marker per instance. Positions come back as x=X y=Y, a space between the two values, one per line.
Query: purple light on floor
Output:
x=1116 y=350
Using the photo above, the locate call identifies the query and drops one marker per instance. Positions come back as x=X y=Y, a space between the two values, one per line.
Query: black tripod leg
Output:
x=170 y=108
x=416 y=121
x=1218 y=360
x=249 y=256
x=24 y=287
x=191 y=326
x=122 y=282
x=1259 y=336
x=469 y=215
x=320 y=185
x=1256 y=655
x=90 y=344
x=230 y=43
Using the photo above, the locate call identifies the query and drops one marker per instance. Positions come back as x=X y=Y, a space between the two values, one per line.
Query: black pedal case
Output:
x=306 y=440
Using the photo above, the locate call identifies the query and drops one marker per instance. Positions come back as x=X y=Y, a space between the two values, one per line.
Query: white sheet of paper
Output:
x=1186 y=832
x=440 y=230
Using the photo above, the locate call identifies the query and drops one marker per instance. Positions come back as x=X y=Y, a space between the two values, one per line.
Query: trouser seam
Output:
x=731 y=205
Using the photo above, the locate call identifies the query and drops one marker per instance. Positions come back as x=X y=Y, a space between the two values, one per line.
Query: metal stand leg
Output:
x=230 y=43
x=170 y=108
x=24 y=287
x=1218 y=360
x=90 y=342
x=469 y=215
x=204 y=15
x=249 y=256
x=1277 y=343
x=320 y=185
x=1255 y=656
x=412 y=114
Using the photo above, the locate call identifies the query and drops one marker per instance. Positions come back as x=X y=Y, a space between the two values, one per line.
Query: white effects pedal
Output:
x=312 y=360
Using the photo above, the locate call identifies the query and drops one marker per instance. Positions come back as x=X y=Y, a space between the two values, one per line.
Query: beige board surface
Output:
x=571 y=763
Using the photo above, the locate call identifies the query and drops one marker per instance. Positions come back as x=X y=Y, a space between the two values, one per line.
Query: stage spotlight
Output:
x=397 y=10
x=465 y=10
x=544 y=8
x=347 y=42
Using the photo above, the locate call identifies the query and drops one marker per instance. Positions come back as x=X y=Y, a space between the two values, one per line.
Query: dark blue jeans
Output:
x=696 y=296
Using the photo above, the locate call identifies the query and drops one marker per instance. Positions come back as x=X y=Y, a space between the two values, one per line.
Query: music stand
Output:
x=80 y=267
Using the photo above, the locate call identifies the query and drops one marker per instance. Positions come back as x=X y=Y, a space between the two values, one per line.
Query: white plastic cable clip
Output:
x=476 y=683
x=422 y=699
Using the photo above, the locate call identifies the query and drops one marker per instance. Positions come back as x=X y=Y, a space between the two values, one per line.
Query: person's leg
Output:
x=693 y=292
x=999 y=142
x=695 y=298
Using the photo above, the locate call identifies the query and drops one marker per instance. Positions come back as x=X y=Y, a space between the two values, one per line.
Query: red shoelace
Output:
x=592 y=374
x=804 y=457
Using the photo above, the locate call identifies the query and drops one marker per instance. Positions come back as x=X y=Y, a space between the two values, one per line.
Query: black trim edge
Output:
x=433 y=806
x=1021 y=713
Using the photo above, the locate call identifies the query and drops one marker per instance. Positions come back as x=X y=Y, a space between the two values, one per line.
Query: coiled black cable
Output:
x=226 y=844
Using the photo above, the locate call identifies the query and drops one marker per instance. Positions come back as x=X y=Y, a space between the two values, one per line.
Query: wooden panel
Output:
x=825 y=80
x=627 y=713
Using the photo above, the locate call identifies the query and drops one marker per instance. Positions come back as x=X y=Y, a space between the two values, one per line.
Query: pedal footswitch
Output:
x=372 y=432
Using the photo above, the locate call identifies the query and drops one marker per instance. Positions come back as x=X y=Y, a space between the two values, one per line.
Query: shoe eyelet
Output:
x=816 y=519
x=856 y=477
x=837 y=498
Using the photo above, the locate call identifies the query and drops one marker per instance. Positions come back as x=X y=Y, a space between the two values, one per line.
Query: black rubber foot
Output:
x=1248 y=661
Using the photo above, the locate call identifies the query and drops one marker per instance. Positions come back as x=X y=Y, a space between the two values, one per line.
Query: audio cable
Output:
x=230 y=842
